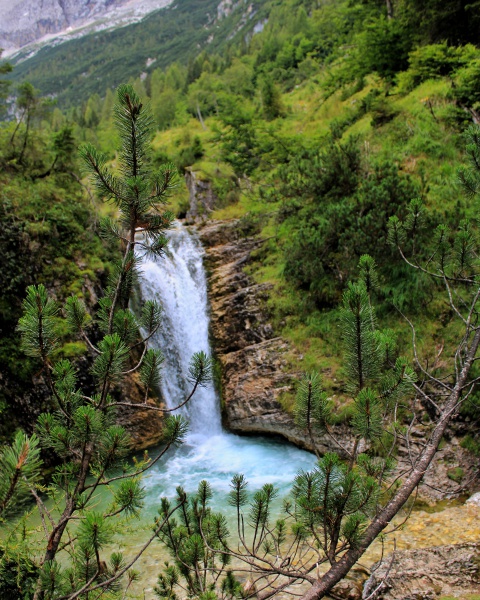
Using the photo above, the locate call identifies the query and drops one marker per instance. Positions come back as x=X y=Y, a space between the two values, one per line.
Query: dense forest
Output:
x=340 y=134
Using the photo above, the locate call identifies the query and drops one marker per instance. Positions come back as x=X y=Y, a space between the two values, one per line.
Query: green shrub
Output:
x=471 y=444
x=456 y=474
x=433 y=61
x=383 y=48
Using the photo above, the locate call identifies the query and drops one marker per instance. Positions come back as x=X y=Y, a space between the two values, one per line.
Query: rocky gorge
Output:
x=254 y=375
x=254 y=370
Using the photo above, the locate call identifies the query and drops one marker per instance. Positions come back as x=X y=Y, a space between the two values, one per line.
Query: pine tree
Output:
x=339 y=508
x=81 y=433
x=5 y=68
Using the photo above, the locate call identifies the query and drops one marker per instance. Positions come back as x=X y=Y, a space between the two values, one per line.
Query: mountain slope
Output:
x=24 y=21
x=78 y=68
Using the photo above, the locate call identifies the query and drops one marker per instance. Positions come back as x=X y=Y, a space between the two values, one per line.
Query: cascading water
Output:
x=178 y=283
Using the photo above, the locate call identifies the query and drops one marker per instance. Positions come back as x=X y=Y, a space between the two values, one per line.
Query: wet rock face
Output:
x=144 y=426
x=252 y=357
x=202 y=197
x=427 y=574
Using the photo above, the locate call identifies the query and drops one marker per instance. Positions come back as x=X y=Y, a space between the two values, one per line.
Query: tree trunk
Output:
x=378 y=524
x=389 y=4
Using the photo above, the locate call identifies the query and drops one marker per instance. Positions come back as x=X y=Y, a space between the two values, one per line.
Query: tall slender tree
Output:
x=81 y=431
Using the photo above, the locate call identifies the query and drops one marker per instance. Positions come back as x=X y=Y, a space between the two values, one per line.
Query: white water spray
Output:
x=178 y=283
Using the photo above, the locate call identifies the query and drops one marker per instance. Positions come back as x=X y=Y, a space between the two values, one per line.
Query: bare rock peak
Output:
x=25 y=21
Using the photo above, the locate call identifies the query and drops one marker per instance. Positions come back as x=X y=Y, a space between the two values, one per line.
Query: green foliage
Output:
x=200 y=369
x=37 y=324
x=312 y=407
x=20 y=471
x=430 y=21
x=81 y=434
x=345 y=496
x=376 y=383
x=434 y=61
x=140 y=197
x=362 y=351
x=271 y=100
x=470 y=443
x=456 y=474
x=46 y=238
x=383 y=48
x=196 y=542
x=469 y=174
x=238 y=137
x=18 y=575
x=5 y=68
x=343 y=215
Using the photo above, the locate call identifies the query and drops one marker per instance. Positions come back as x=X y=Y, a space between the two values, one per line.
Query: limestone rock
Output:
x=202 y=197
x=25 y=21
x=144 y=426
x=254 y=373
x=475 y=499
x=427 y=574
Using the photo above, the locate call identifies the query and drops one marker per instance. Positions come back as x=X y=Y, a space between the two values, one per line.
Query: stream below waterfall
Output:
x=178 y=283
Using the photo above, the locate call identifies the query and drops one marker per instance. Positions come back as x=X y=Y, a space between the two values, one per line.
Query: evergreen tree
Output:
x=81 y=433
x=337 y=510
x=27 y=104
x=271 y=99
x=5 y=68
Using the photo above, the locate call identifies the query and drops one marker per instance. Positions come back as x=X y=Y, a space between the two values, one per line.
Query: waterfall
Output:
x=179 y=284
x=177 y=281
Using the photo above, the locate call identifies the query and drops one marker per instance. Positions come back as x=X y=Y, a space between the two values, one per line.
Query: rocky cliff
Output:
x=254 y=373
x=251 y=355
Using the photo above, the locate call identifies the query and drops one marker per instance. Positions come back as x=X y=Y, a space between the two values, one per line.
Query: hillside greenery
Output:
x=48 y=236
x=313 y=133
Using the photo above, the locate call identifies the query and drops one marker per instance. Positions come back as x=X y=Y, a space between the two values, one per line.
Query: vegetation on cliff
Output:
x=315 y=133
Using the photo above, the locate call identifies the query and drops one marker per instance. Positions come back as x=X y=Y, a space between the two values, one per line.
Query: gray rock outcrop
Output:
x=202 y=198
x=25 y=21
x=254 y=373
x=427 y=574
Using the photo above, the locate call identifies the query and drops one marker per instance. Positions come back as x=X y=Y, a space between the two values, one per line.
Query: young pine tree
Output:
x=331 y=506
x=89 y=447
x=337 y=510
